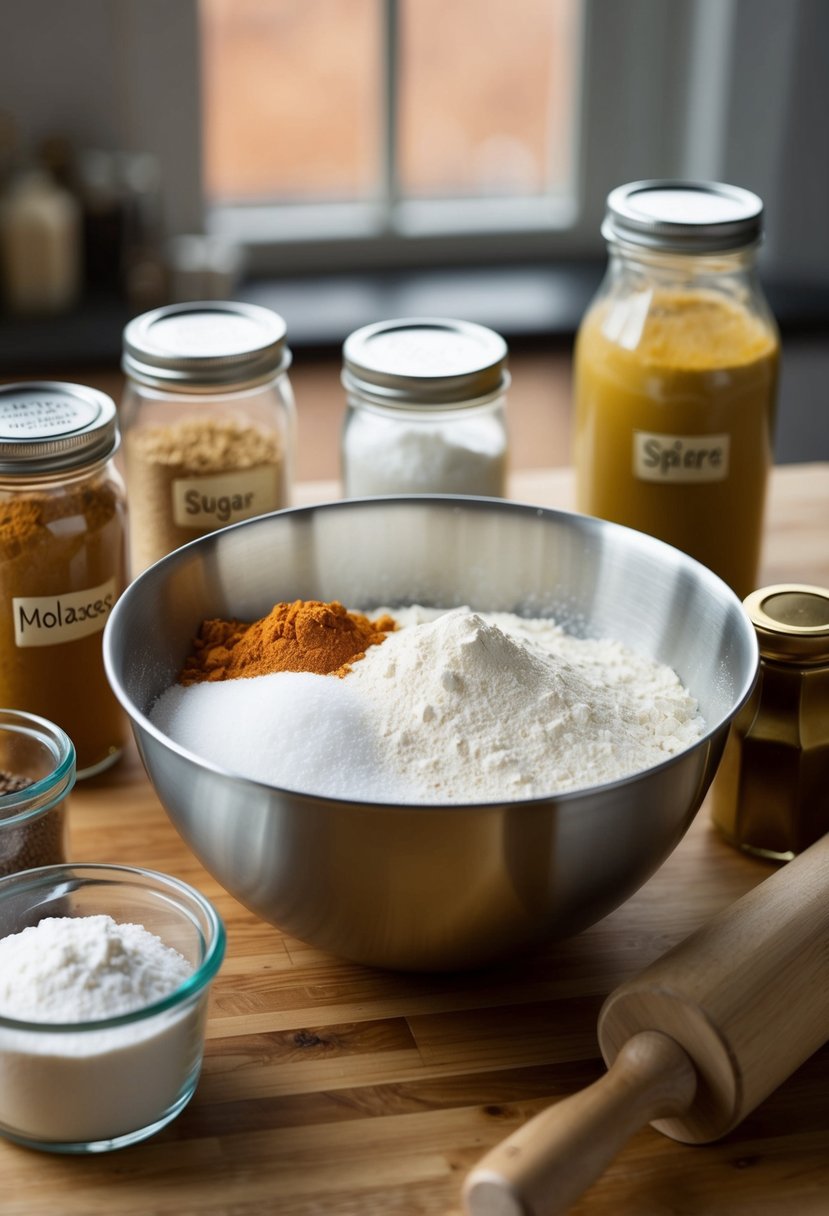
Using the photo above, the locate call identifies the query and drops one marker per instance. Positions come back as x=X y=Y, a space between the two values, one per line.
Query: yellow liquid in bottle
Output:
x=674 y=394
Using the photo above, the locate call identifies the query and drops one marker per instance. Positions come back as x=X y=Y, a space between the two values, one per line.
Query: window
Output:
x=493 y=130
x=292 y=95
x=388 y=119
x=357 y=133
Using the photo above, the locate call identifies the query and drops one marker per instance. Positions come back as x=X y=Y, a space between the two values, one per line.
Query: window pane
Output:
x=292 y=94
x=486 y=96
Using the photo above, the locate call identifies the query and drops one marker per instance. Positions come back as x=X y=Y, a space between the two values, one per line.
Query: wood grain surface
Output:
x=334 y=1089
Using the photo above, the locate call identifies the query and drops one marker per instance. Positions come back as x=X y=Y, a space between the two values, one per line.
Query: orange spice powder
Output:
x=307 y=635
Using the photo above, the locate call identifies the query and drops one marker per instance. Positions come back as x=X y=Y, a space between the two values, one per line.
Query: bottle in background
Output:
x=40 y=245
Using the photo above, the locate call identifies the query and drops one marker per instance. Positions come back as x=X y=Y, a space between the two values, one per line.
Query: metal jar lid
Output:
x=212 y=345
x=426 y=362
x=47 y=426
x=684 y=217
x=792 y=621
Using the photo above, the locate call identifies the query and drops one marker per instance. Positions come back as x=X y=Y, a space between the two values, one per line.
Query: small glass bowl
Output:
x=33 y=819
x=93 y=1086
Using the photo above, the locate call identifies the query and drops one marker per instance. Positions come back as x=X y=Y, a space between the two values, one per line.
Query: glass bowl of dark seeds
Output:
x=37 y=771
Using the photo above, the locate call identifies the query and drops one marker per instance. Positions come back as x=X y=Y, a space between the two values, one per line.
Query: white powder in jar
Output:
x=453 y=707
x=393 y=456
x=95 y=1084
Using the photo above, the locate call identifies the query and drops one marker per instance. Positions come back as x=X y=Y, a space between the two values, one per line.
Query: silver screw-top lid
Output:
x=211 y=345
x=427 y=362
x=47 y=426
x=684 y=217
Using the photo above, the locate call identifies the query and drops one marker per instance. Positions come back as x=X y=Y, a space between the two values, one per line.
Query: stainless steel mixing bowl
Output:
x=434 y=887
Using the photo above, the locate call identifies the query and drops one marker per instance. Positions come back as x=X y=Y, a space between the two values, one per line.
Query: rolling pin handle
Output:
x=543 y=1167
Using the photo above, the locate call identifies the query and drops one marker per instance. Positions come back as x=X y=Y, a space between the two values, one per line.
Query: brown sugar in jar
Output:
x=209 y=422
x=62 y=561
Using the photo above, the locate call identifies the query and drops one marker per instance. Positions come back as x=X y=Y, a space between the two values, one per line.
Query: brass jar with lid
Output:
x=771 y=793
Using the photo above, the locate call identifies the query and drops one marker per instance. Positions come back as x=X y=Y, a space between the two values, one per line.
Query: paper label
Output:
x=47 y=620
x=206 y=503
x=680 y=458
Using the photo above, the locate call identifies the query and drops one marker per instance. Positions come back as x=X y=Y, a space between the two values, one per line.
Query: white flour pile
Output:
x=451 y=708
x=84 y=968
x=92 y=1085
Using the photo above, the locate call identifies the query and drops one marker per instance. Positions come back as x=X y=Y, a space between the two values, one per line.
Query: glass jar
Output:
x=62 y=560
x=675 y=375
x=426 y=409
x=209 y=422
x=37 y=771
x=770 y=796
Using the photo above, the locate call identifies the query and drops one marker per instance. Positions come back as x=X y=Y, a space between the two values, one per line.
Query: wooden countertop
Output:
x=335 y=1090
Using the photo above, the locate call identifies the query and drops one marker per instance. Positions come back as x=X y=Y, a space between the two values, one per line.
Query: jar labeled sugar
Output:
x=209 y=422
x=426 y=409
x=62 y=562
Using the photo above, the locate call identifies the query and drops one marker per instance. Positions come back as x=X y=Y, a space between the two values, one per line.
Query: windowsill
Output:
x=518 y=301
x=525 y=303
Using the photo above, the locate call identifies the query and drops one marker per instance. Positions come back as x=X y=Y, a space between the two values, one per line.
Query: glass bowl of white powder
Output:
x=506 y=768
x=104 y=976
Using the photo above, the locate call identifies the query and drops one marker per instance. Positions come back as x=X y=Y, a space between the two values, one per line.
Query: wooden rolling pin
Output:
x=693 y=1044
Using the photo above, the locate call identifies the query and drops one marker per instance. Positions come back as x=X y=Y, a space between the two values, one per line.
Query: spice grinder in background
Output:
x=62 y=561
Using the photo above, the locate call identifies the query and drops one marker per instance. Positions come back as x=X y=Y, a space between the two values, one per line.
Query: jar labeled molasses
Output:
x=62 y=561
x=771 y=793
x=675 y=375
x=209 y=422
x=426 y=409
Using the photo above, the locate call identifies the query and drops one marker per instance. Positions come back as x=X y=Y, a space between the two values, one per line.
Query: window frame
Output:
x=685 y=118
x=391 y=228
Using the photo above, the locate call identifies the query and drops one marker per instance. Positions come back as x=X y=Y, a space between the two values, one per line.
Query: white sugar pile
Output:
x=297 y=730
x=467 y=707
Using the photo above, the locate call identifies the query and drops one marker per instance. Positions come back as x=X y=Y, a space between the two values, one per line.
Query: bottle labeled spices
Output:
x=62 y=561
x=771 y=793
x=209 y=422
x=37 y=771
x=675 y=375
x=426 y=409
